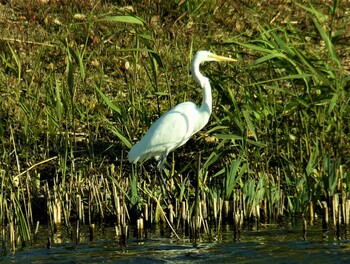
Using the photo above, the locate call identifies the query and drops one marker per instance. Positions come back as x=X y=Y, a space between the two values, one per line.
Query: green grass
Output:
x=82 y=83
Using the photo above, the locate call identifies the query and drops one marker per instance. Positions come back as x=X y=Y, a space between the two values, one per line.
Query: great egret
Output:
x=174 y=128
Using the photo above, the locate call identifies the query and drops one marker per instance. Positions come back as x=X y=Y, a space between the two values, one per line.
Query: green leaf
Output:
x=327 y=40
x=123 y=19
x=253 y=46
x=236 y=137
x=304 y=61
x=134 y=193
x=116 y=132
x=110 y=104
x=1 y=131
x=269 y=57
x=70 y=77
x=228 y=136
x=250 y=125
x=283 y=45
x=78 y=59
x=333 y=102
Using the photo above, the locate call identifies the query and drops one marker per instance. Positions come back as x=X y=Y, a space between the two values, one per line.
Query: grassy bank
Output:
x=81 y=82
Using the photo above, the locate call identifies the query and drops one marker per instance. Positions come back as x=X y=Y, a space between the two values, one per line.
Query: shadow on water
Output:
x=280 y=245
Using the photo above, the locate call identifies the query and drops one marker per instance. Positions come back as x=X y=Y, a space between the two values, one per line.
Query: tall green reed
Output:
x=300 y=104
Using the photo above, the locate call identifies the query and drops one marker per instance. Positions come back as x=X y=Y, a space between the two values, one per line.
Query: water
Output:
x=275 y=244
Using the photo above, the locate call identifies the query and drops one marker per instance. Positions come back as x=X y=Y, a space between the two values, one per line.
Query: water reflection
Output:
x=277 y=244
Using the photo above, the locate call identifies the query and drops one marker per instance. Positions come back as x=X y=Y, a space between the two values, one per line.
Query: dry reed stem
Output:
x=57 y=212
x=37 y=164
x=347 y=212
x=166 y=219
x=311 y=213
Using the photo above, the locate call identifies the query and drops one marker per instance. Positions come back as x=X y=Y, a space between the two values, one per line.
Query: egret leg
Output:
x=161 y=178
x=162 y=181
x=162 y=160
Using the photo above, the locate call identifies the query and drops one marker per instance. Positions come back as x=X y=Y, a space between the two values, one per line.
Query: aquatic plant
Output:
x=79 y=87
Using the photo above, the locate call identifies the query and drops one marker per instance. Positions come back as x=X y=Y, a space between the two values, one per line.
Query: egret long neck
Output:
x=205 y=84
x=207 y=101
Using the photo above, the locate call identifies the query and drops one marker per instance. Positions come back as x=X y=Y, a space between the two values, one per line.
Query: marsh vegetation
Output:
x=81 y=81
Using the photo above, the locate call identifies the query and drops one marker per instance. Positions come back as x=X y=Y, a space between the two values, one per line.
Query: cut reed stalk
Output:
x=325 y=219
x=171 y=214
x=140 y=228
x=49 y=206
x=36 y=229
x=343 y=207
x=215 y=210
x=145 y=212
x=265 y=212
x=139 y=224
x=176 y=207
x=79 y=217
x=196 y=215
x=347 y=218
x=304 y=229
x=226 y=209
x=184 y=214
x=92 y=232
x=335 y=206
x=12 y=236
x=151 y=213
x=238 y=217
x=347 y=212
x=221 y=202
x=257 y=210
x=57 y=213
x=338 y=220
x=311 y=213
x=204 y=209
x=123 y=235
x=117 y=205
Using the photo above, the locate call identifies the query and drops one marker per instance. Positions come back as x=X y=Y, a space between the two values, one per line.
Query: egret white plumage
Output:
x=174 y=128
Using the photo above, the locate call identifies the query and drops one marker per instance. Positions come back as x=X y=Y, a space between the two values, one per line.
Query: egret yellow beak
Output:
x=221 y=58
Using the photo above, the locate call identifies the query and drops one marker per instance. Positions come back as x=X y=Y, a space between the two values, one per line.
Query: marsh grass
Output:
x=82 y=85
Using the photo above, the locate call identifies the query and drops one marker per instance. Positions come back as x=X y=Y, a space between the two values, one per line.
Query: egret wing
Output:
x=170 y=131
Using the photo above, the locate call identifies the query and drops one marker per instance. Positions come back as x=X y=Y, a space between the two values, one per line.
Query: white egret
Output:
x=174 y=128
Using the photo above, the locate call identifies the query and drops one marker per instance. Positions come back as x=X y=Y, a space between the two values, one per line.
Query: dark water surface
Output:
x=270 y=245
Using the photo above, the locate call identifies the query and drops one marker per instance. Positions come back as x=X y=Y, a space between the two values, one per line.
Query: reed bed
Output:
x=80 y=86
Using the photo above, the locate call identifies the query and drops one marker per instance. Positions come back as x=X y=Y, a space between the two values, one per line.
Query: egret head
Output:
x=204 y=55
